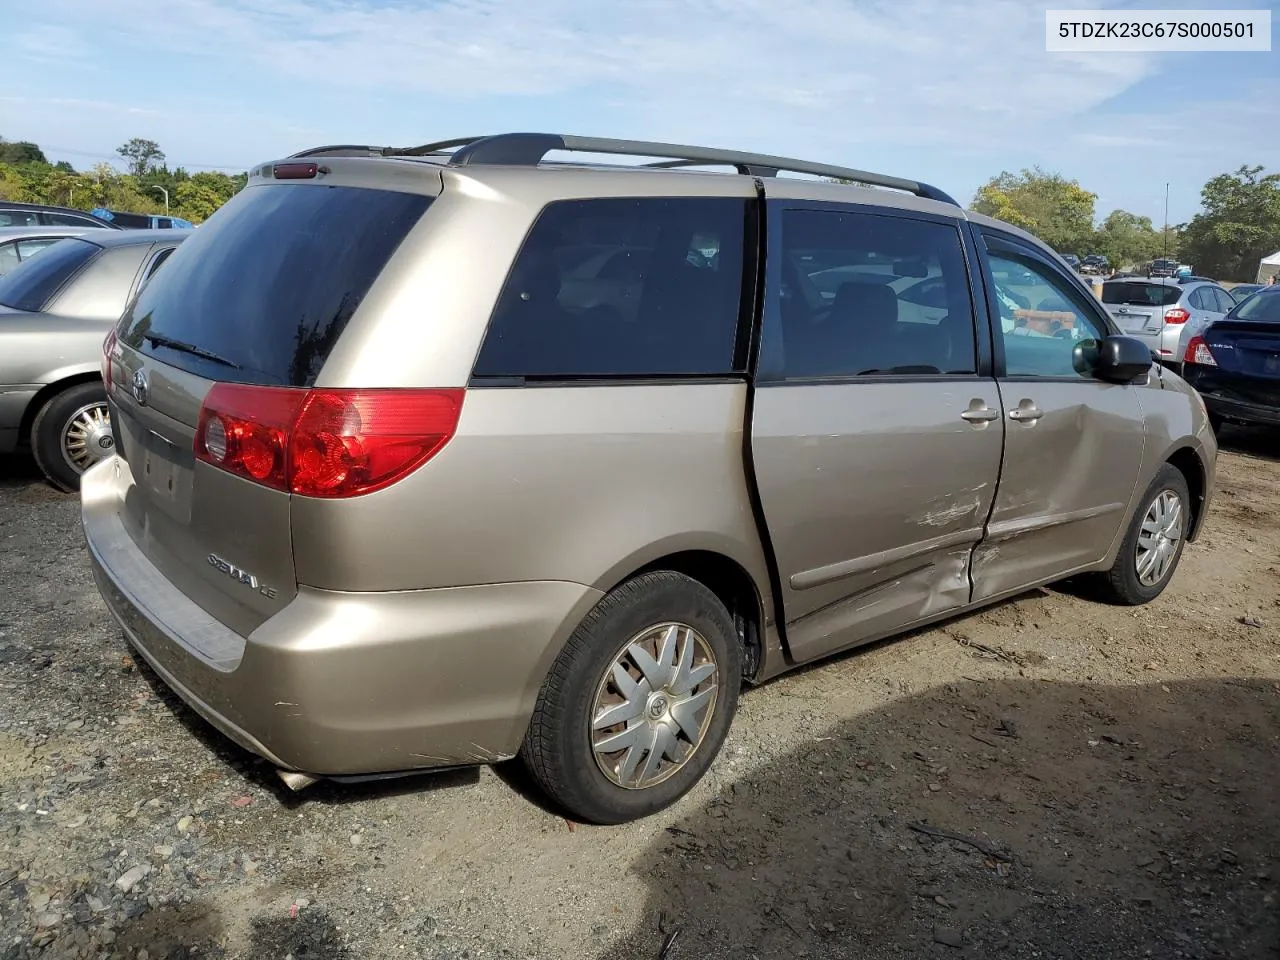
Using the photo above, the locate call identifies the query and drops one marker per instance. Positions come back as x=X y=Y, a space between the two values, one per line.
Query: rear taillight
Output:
x=108 y=351
x=1198 y=352
x=1176 y=315
x=324 y=443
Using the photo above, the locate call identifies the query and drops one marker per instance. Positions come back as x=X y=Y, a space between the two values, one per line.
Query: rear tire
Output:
x=659 y=656
x=71 y=434
x=1153 y=544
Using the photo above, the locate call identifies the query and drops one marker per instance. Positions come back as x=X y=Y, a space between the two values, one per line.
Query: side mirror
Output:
x=1114 y=359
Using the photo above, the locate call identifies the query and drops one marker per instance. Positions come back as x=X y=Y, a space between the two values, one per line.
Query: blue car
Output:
x=142 y=221
x=1235 y=362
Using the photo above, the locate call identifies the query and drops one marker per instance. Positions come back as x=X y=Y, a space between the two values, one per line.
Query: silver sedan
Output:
x=56 y=309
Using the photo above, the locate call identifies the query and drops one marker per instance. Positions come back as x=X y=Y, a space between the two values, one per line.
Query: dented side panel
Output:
x=1065 y=484
x=874 y=494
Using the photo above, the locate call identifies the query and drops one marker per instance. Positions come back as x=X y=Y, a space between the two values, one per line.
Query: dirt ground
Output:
x=1046 y=779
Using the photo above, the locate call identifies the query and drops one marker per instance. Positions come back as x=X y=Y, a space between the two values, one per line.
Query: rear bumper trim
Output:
x=1242 y=410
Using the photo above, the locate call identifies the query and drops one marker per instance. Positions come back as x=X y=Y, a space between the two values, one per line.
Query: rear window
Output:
x=1140 y=294
x=622 y=288
x=1262 y=306
x=269 y=282
x=35 y=283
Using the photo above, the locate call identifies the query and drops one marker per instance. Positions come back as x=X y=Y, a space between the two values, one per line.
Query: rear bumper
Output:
x=343 y=684
x=1230 y=409
x=1222 y=401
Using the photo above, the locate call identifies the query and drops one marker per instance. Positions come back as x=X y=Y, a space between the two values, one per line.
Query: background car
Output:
x=55 y=311
x=1072 y=260
x=1165 y=313
x=1242 y=290
x=15 y=214
x=1095 y=264
x=142 y=221
x=1162 y=267
x=1234 y=363
x=22 y=243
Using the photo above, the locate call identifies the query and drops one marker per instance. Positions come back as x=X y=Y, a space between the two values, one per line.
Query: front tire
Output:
x=1153 y=543
x=639 y=702
x=72 y=433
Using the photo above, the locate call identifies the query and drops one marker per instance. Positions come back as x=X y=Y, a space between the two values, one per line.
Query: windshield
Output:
x=35 y=282
x=1134 y=293
x=270 y=281
x=1263 y=306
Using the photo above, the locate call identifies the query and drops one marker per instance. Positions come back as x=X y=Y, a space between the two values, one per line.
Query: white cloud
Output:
x=924 y=72
x=960 y=91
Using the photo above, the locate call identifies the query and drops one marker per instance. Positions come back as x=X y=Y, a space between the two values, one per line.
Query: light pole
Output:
x=166 y=199
x=1164 y=251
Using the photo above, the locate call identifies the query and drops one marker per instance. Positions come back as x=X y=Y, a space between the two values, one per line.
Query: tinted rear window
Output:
x=1140 y=294
x=269 y=282
x=622 y=288
x=32 y=285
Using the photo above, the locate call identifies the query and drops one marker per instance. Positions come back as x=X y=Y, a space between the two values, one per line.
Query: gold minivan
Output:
x=447 y=455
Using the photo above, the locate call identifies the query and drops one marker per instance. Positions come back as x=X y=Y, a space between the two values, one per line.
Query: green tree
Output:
x=141 y=155
x=1057 y=210
x=1239 y=225
x=1127 y=239
x=21 y=151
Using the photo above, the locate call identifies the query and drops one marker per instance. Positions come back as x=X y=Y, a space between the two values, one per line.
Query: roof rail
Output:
x=529 y=149
x=362 y=150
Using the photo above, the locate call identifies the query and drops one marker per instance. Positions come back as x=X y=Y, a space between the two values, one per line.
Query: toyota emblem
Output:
x=140 y=387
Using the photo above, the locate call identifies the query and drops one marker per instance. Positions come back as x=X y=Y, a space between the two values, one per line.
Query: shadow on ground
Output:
x=1107 y=822
x=1260 y=442
x=258 y=772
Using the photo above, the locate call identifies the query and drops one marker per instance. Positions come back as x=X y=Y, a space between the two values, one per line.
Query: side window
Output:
x=29 y=248
x=18 y=218
x=8 y=257
x=1225 y=303
x=1200 y=300
x=866 y=294
x=622 y=288
x=68 y=220
x=1040 y=319
x=158 y=259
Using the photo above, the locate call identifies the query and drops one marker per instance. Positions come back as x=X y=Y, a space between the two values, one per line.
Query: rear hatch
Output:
x=257 y=297
x=1138 y=306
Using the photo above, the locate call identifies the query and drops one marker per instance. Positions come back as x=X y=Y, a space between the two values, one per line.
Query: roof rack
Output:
x=529 y=149
x=363 y=150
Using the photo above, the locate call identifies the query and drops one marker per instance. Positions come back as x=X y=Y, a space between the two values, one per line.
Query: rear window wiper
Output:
x=160 y=340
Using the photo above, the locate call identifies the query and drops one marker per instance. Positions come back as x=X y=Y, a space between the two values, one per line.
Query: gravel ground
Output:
x=1049 y=778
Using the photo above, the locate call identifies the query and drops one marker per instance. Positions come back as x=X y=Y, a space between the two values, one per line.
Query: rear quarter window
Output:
x=37 y=281
x=270 y=281
x=634 y=287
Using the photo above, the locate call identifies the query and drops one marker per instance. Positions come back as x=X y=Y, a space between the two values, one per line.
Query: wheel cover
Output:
x=1159 y=537
x=86 y=437
x=653 y=705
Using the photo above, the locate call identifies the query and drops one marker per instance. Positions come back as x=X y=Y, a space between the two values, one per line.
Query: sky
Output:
x=933 y=90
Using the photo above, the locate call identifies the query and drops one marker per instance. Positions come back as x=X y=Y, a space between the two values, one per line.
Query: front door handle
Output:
x=1026 y=412
x=979 y=412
